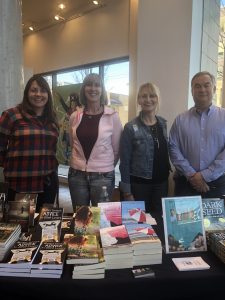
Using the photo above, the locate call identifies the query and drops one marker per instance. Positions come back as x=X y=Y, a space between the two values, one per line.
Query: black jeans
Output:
x=150 y=193
x=184 y=188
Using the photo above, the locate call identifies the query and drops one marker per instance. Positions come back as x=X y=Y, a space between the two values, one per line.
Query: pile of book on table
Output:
x=36 y=254
x=83 y=245
x=127 y=238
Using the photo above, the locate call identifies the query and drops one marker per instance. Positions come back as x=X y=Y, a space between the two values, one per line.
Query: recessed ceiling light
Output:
x=61 y=6
x=58 y=17
x=95 y=2
x=31 y=28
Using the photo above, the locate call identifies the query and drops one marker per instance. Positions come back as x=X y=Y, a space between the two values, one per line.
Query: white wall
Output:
x=163 y=52
x=97 y=36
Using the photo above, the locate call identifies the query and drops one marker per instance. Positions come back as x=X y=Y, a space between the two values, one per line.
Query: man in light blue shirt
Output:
x=197 y=143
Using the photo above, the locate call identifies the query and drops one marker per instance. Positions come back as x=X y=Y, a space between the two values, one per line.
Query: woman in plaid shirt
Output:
x=28 y=140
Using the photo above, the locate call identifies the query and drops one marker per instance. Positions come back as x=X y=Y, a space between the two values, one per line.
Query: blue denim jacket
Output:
x=137 y=151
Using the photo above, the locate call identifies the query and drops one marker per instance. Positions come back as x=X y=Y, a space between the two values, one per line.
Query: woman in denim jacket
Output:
x=144 y=160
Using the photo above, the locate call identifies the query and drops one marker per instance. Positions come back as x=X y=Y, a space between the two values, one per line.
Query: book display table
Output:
x=169 y=283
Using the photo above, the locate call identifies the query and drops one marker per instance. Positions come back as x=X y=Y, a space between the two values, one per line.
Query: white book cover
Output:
x=190 y=263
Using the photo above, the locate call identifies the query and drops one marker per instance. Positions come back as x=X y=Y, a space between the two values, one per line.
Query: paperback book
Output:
x=87 y=220
x=22 y=210
x=3 y=199
x=190 y=263
x=111 y=214
x=50 y=256
x=9 y=232
x=49 y=224
x=133 y=212
x=213 y=214
x=81 y=249
x=115 y=240
x=143 y=272
x=183 y=224
x=21 y=255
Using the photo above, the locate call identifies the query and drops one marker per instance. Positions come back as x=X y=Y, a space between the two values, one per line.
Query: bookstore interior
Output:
x=116 y=249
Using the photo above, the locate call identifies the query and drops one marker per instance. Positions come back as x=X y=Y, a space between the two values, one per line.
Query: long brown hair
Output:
x=25 y=106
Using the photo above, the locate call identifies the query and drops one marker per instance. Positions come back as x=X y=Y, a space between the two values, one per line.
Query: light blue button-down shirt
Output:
x=197 y=143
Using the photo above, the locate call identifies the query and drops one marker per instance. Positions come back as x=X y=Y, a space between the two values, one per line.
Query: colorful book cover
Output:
x=81 y=249
x=87 y=220
x=142 y=235
x=114 y=237
x=183 y=224
x=110 y=214
x=133 y=212
x=213 y=214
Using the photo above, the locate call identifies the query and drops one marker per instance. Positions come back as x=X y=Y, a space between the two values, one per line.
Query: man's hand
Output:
x=198 y=183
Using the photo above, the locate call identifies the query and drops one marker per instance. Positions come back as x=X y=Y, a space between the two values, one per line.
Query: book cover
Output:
x=81 y=249
x=87 y=220
x=51 y=255
x=183 y=224
x=114 y=239
x=49 y=224
x=21 y=255
x=190 y=263
x=213 y=214
x=7 y=231
x=143 y=272
x=143 y=236
x=22 y=210
x=3 y=199
x=133 y=212
x=111 y=214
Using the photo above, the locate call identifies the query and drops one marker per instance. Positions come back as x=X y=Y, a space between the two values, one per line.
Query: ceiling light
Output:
x=31 y=28
x=95 y=2
x=61 y=6
x=58 y=17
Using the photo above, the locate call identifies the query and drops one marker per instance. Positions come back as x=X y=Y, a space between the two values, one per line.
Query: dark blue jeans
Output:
x=184 y=188
x=85 y=187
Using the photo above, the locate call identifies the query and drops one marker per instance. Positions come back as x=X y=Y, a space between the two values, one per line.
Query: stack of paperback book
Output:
x=117 y=247
x=49 y=261
x=18 y=261
x=90 y=271
x=84 y=253
x=9 y=234
x=147 y=248
x=144 y=244
x=217 y=244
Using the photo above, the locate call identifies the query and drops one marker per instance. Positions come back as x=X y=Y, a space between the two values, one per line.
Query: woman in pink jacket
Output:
x=95 y=134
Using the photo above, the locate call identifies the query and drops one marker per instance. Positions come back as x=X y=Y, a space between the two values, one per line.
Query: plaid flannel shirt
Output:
x=27 y=150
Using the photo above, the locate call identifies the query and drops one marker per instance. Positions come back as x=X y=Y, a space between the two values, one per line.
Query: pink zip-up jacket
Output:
x=105 y=153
